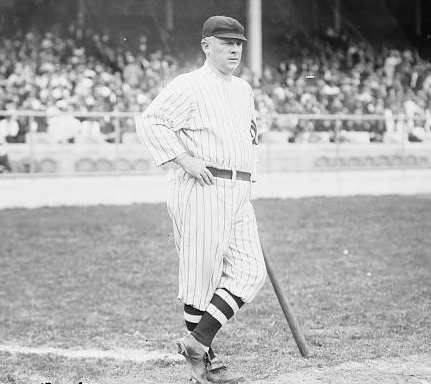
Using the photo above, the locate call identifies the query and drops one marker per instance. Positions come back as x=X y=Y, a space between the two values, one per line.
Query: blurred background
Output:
x=339 y=84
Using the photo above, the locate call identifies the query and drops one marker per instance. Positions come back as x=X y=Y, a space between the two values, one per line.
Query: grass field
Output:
x=357 y=271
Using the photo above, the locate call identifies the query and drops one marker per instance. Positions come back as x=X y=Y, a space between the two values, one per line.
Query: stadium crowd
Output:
x=86 y=72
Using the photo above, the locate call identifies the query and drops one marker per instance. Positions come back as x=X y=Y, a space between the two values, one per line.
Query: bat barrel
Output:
x=287 y=310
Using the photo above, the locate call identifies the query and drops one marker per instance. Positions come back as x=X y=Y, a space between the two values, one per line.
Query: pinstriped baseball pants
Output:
x=216 y=239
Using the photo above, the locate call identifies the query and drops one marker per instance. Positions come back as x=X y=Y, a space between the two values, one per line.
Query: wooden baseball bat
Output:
x=287 y=310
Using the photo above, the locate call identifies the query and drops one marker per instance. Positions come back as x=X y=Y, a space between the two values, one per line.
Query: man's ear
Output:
x=205 y=46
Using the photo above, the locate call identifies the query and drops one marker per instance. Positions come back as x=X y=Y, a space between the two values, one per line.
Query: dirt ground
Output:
x=406 y=370
x=356 y=271
x=414 y=369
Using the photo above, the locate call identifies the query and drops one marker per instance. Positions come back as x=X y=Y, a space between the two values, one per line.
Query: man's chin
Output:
x=233 y=65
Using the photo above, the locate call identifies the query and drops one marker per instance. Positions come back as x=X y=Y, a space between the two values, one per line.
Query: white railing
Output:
x=334 y=148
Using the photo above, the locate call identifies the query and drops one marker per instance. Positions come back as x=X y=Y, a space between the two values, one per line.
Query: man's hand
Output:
x=195 y=168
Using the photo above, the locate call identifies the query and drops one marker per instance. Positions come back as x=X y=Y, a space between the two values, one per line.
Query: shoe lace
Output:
x=217 y=366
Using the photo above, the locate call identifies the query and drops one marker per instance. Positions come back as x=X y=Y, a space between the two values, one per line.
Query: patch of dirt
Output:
x=136 y=355
x=414 y=369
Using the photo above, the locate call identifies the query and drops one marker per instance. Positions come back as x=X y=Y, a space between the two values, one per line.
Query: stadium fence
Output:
x=288 y=142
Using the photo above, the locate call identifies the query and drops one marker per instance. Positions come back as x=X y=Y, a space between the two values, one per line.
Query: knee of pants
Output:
x=262 y=274
x=260 y=278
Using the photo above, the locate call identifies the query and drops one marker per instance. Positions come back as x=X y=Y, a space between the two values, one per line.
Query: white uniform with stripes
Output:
x=214 y=226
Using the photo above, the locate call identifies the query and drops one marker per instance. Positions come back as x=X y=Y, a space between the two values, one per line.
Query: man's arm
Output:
x=168 y=113
x=156 y=128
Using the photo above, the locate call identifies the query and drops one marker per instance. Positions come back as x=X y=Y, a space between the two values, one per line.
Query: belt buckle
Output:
x=233 y=176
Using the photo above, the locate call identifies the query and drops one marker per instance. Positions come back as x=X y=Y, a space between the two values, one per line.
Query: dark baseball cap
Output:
x=224 y=27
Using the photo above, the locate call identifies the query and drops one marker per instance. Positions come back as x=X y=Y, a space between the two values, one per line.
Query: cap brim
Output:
x=230 y=35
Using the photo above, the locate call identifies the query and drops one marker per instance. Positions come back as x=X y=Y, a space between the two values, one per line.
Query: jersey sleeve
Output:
x=253 y=124
x=168 y=113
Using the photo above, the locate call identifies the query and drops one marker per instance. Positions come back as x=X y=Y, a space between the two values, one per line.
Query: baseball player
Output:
x=205 y=122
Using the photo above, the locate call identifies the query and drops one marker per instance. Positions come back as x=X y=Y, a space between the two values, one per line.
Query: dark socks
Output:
x=221 y=308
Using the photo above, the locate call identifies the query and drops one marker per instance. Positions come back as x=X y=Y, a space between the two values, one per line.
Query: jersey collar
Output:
x=209 y=71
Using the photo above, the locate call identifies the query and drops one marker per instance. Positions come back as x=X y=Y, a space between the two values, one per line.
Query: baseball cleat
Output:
x=219 y=373
x=196 y=356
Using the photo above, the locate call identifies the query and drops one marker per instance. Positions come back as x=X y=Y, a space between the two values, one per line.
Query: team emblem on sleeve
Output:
x=253 y=132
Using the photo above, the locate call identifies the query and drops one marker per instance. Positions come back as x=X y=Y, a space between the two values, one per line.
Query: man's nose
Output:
x=235 y=48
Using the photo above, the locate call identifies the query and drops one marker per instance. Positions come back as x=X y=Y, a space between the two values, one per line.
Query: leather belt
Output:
x=229 y=174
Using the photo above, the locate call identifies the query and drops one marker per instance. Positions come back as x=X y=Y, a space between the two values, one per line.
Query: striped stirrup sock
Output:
x=192 y=317
x=221 y=308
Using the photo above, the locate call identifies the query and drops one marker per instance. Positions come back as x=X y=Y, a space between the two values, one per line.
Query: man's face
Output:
x=224 y=54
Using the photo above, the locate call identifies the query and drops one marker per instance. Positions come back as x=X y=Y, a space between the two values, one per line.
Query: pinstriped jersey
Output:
x=205 y=115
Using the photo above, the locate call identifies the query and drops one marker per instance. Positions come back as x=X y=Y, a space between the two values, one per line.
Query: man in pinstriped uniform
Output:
x=205 y=122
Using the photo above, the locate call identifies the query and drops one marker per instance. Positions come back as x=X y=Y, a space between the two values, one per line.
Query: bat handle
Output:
x=287 y=310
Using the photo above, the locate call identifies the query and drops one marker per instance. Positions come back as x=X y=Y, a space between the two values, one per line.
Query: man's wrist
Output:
x=181 y=158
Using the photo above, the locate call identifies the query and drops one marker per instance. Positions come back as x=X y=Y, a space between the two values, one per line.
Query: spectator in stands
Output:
x=90 y=132
x=86 y=71
x=62 y=126
x=9 y=130
x=133 y=73
x=4 y=160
